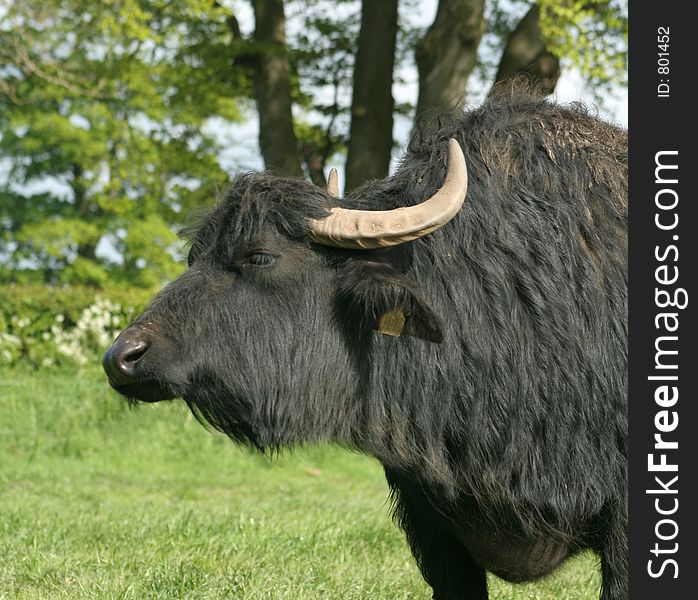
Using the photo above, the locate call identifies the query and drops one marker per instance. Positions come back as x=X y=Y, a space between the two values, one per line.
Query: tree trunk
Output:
x=526 y=54
x=273 y=90
x=87 y=249
x=371 y=132
x=447 y=53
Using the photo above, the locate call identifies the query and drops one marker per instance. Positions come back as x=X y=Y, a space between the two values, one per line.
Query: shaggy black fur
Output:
x=500 y=413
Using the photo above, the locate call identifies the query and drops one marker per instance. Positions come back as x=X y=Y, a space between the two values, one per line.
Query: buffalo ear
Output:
x=378 y=297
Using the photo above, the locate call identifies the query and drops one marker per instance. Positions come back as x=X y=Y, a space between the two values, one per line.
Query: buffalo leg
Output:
x=614 y=573
x=444 y=562
x=613 y=551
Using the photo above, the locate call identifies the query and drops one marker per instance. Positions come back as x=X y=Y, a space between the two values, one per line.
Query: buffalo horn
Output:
x=333 y=183
x=367 y=229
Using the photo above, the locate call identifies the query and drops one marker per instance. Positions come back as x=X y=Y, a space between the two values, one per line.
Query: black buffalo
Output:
x=497 y=400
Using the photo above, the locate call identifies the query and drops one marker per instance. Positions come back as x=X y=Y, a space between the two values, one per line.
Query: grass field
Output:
x=101 y=501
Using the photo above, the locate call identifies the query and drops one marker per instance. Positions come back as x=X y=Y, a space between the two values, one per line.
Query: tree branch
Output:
x=526 y=55
x=447 y=53
x=61 y=78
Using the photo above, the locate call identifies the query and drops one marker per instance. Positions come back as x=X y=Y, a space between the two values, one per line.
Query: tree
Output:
x=447 y=53
x=109 y=101
x=277 y=139
x=538 y=40
x=371 y=134
x=526 y=53
x=529 y=39
x=118 y=104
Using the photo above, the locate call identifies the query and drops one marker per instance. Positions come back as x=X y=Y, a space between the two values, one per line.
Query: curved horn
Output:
x=367 y=229
x=333 y=183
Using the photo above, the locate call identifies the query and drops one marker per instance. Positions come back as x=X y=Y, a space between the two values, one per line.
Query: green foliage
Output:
x=102 y=501
x=110 y=99
x=322 y=61
x=145 y=250
x=322 y=51
x=45 y=326
x=104 y=108
x=591 y=35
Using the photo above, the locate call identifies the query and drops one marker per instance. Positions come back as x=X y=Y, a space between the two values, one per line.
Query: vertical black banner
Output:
x=663 y=336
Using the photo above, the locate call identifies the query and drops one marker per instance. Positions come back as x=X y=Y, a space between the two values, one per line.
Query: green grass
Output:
x=98 y=500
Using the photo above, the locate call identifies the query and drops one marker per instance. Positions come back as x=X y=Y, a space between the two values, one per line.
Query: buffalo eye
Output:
x=260 y=259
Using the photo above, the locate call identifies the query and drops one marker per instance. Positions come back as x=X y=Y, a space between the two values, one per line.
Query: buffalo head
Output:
x=271 y=320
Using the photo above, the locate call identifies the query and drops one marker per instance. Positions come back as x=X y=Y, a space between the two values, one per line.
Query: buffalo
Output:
x=463 y=321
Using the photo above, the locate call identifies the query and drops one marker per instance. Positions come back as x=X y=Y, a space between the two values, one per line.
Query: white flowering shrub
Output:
x=97 y=326
x=10 y=347
x=44 y=326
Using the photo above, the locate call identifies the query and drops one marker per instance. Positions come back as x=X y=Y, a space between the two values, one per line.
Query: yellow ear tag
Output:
x=392 y=323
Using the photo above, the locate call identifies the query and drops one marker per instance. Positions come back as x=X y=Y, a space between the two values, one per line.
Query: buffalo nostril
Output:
x=131 y=354
x=121 y=361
